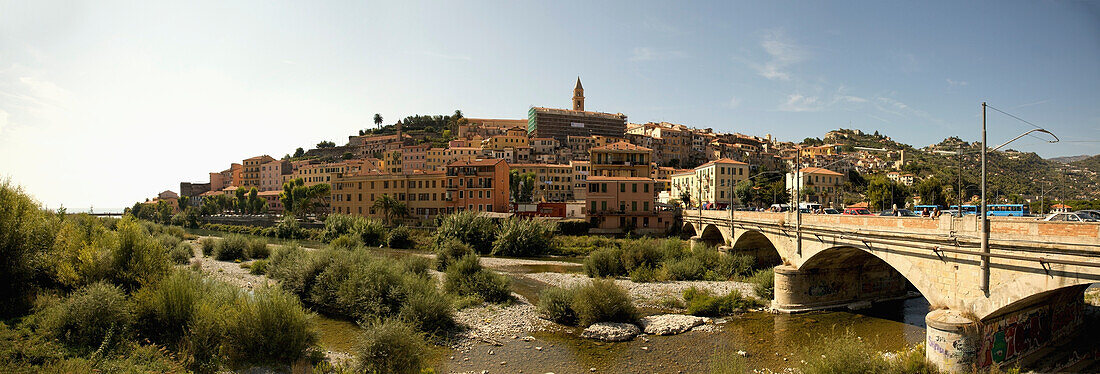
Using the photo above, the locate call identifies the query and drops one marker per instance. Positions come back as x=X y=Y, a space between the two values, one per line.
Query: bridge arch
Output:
x=712 y=236
x=837 y=276
x=688 y=231
x=756 y=244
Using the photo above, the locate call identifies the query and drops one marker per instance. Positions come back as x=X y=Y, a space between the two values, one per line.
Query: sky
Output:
x=106 y=103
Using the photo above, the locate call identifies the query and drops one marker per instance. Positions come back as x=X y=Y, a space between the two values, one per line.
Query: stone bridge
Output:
x=1037 y=277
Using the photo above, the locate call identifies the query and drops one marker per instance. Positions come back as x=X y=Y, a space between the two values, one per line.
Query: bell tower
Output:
x=578 y=96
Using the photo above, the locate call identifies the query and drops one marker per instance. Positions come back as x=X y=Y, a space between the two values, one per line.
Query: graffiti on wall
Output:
x=1017 y=334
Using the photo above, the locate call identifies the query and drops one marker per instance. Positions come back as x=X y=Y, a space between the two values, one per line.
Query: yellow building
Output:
x=422 y=192
x=621 y=159
x=553 y=182
x=251 y=175
x=712 y=182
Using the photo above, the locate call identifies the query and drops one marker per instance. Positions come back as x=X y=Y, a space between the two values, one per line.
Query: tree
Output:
x=391 y=208
x=745 y=191
x=347 y=156
x=299 y=152
x=377 y=120
x=685 y=197
x=931 y=192
x=326 y=144
x=884 y=194
x=521 y=185
x=298 y=199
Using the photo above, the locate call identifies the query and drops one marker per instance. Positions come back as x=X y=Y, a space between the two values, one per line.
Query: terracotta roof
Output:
x=603 y=178
x=723 y=161
x=819 y=171
x=478 y=162
x=269 y=193
x=621 y=146
x=259 y=158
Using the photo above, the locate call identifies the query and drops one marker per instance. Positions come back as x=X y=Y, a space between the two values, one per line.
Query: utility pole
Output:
x=798 y=200
x=984 y=217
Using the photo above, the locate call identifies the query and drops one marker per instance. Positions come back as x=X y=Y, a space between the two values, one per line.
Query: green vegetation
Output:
x=370 y=232
x=240 y=247
x=103 y=285
x=450 y=251
x=272 y=232
x=467 y=227
x=600 y=300
x=391 y=208
x=400 y=238
x=524 y=238
x=181 y=253
x=466 y=277
x=850 y=354
x=646 y=260
x=703 y=303
x=763 y=283
x=391 y=347
x=300 y=200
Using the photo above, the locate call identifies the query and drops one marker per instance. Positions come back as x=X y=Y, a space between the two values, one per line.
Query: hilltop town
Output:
x=615 y=174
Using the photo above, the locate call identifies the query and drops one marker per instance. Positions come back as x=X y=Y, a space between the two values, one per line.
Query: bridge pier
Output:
x=801 y=290
x=955 y=343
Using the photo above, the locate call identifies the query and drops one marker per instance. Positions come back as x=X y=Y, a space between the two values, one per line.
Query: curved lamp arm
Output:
x=1025 y=134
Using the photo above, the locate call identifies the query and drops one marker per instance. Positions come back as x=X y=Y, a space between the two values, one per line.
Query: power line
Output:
x=1018 y=119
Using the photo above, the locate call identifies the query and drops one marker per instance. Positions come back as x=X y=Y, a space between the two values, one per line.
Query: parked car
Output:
x=857 y=212
x=831 y=211
x=1069 y=217
x=899 y=213
x=1094 y=214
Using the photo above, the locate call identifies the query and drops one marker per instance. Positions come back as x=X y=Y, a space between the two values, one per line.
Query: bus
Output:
x=1008 y=210
x=966 y=210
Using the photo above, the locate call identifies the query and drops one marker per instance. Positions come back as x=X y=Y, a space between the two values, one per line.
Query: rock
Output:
x=743 y=353
x=670 y=324
x=611 y=332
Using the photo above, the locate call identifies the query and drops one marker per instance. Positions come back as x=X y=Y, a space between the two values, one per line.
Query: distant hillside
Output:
x=1090 y=163
x=1069 y=159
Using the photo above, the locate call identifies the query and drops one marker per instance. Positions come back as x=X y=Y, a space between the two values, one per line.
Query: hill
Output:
x=1070 y=159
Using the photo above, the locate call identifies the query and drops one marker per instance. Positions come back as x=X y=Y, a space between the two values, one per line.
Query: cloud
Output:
x=900 y=109
x=3 y=120
x=782 y=54
x=734 y=102
x=44 y=89
x=955 y=83
x=850 y=99
x=1034 y=103
x=652 y=54
x=800 y=103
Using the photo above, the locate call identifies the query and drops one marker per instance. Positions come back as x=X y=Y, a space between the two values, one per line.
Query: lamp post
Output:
x=982 y=208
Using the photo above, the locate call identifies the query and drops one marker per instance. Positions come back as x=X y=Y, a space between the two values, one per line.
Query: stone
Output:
x=670 y=324
x=611 y=332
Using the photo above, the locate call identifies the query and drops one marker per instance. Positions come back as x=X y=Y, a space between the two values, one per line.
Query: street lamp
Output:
x=985 y=215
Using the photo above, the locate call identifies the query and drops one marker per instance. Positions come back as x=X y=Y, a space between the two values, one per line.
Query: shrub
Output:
x=603 y=301
x=297 y=269
x=232 y=247
x=391 y=347
x=181 y=254
x=163 y=310
x=168 y=241
x=138 y=259
x=289 y=228
x=848 y=353
x=258 y=267
x=95 y=316
x=573 y=227
x=269 y=327
x=257 y=248
x=672 y=249
x=524 y=238
x=81 y=252
x=208 y=244
x=449 y=251
x=556 y=304
x=641 y=253
x=643 y=274
x=416 y=265
x=605 y=262
x=425 y=309
x=468 y=227
x=732 y=266
x=400 y=238
x=685 y=269
x=764 y=284
x=370 y=231
x=582 y=245
x=466 y=277
x=702 y=303
x=347 y=242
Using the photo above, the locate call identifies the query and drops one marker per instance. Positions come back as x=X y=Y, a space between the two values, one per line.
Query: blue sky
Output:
x=107 y=103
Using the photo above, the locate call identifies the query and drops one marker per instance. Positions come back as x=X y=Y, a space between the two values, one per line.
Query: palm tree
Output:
x=391 y=208
x=377 y=119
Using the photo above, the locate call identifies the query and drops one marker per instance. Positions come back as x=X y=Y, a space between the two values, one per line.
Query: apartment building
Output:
x=553 y=182
x=272 y=174
x=317 y=172
x=580 y=179
x=271 y=197
x=422 y=192
x=615 y=204
x=372 y=144
x=817 y=185
x=479 y=185
x=621 y=159
x=250 y=175
x=710 y=183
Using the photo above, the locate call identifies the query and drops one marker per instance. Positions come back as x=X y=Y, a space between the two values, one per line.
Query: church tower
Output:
x=578 y=96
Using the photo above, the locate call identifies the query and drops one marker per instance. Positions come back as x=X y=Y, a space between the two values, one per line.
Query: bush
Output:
x=573 y=227
x=391 y=347
x=257 y=248
x=232 y=247
x=81 y=252
x=181 y=254
x=702 y=303
x=732 y=266
x=641 y=253
x=138 y=259
x=269 y=327
x=208 y=244
x=685 y=269
x=848 y=353
x=604 y=262
x=449 y=251
x=425 y=309
x=289 y=228
x=347 y=242
x=643 y=274
x=524 y=238
x=164 y=310
x=582 y=245
x=764 y=284
x=416 y=265
x=603 y=301
x=470 y=228
x=95 y=316
x=297 y=269
x=466 y=277
x=400 y=238
x=556 y=304
x=258 y=267
x=370 y=231
x=168 y=241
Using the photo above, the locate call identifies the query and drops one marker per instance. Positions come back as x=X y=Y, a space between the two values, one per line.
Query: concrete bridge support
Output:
x=855 y=287
x=955 y=343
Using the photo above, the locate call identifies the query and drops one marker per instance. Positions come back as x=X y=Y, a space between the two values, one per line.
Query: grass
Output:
x=391 y=346
x=702 y=303
x=847 y=353
x=466 y=277
x=763 y=282
x=600 y=300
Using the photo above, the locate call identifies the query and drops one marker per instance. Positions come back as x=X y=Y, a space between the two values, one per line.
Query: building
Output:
x=271 y=197
x=553 y=182
x=710 y=183
x=515 y=137
x=621 y=159
x=615 y=204
x=317 y=172
x=271 y=174
x=817 y=185
x=561 y=123
x=369 y=145
x=580 y=179
x=250 y=175
x=905 y=179
x=422 y=192
x=193 y=189
x=478 y=185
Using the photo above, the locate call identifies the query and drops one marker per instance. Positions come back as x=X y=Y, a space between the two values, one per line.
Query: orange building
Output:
x=478 y=185
x=422 y=192
x=250 y=175
x=619 y=204
x=621 y=159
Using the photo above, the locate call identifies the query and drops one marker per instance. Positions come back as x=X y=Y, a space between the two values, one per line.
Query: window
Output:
x=645 y=188
x=634 y=187
x=622 y=187
x=603 y=206
x=645 y=207
x=633 y=206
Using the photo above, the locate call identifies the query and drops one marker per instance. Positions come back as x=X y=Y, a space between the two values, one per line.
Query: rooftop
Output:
x=819 y=171
x=622 y=146
x=582 y=113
